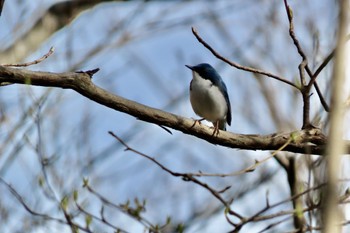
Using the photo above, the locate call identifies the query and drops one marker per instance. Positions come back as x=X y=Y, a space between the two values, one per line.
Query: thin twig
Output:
x=320 y=96
x=34 y=213
x=251 y=168
x=317 y=72
x=304 y=63
x=274 y=224
x=185 y=176
x=101 y=219
x=49 y=53
x=257 y=216
x=146 y=223
x=240 y=67
x=320 y=68
x=294 y=38
x=166 y=129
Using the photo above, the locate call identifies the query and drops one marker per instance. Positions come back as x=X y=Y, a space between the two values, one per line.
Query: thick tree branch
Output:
x=1 y=5
x=304 y=141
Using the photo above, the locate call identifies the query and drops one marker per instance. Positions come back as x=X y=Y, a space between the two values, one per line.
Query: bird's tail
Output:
x=222 y=125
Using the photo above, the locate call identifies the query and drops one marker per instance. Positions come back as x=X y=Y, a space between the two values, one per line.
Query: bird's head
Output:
x=206 y=71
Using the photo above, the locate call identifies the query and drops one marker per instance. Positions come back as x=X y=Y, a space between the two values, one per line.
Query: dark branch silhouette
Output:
x=309 y=141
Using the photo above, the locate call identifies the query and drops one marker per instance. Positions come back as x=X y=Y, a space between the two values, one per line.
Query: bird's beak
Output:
x=189 y=67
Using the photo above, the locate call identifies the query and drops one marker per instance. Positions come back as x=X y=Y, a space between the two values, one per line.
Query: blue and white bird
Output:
x=208 y=96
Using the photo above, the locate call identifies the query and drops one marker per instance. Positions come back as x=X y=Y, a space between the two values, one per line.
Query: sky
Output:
x=142 y=50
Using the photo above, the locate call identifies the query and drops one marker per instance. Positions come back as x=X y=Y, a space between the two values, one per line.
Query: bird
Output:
x=209 y=97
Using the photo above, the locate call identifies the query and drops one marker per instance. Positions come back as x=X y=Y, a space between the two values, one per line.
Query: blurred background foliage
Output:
x=51 y=139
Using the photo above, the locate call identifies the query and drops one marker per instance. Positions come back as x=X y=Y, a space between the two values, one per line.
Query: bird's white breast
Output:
x=207 y=100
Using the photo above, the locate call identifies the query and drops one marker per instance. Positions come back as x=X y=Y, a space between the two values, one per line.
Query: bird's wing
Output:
x=223 y=89
x=217 y=81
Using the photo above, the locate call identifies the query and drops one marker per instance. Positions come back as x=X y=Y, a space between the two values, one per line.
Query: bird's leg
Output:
x=216 y=129
x=197 y=121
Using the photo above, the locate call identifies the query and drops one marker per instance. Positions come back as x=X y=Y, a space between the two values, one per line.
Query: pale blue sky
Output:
x=149 y=68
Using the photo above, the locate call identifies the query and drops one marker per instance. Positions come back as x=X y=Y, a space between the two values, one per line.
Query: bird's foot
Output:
x=197 y=121
x=216 y=129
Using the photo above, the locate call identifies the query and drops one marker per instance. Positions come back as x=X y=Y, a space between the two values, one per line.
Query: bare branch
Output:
x=250 y=168
x=320 y=68
x=185 y=177
x=259 y=217
x=318 y=71
x=2 y=2
x=306 y=87
x=123 y=208
x=33 y=212
x=295 y=40
x=305 y=141
x=45 y=56
x=101 y=219
x=240 y=67
x=304 y=63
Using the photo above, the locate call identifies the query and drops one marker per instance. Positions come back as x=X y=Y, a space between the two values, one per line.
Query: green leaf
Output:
x=294 y=136
x=28 y=81
x=64 y=203
x=85 y=182
x=75 y=195
x=41 y=181
x=88 y=220
x=226 y=210
x=180 y=228
x=168 y=220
